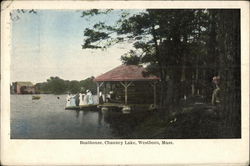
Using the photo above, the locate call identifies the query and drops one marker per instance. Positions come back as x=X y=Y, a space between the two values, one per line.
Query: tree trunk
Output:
x=230 y=71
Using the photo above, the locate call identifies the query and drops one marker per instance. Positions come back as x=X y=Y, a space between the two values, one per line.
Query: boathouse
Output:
x=23 y=88
x=128 y=85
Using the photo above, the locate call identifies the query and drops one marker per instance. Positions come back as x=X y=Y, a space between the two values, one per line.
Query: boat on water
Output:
x=81 y=102
x=36 y=97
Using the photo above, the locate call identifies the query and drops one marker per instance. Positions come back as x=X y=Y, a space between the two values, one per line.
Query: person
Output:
x=77 y=99
x=100 y=98
x=215 y=98
x=110 y=96
x=68 y=100
x=89 y=97
x=81 y=97
x=111 y=93
x=85 y=99
x=72 y=101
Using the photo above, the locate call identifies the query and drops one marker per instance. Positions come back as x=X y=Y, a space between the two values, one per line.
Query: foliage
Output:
x=162 y=38
x=56 y=85
x=185 y=48
x=131 y=58
x=88 y=84
x=17 y=14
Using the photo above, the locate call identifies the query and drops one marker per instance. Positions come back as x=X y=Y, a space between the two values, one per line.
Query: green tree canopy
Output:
x=184 y=47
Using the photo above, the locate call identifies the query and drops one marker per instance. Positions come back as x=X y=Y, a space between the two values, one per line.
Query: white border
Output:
x=70 y=152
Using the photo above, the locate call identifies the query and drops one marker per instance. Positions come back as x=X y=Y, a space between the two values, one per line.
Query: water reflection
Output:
x=47 y=119
x=100 y=118
x=77 y=114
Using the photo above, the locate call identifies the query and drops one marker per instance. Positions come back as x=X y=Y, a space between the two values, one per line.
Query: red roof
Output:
x=125 y=73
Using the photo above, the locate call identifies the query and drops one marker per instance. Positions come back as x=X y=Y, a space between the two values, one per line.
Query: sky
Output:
x=49 y=44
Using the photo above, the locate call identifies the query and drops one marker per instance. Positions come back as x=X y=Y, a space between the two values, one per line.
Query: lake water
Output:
x=47 y=119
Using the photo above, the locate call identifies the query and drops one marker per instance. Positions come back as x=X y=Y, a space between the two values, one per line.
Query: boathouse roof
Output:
x=24 y=83
x=126 y=73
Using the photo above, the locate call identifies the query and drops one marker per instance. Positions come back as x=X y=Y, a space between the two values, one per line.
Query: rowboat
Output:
x=36 y=97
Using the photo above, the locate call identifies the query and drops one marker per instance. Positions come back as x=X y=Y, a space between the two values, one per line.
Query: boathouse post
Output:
x=126 y=94
x=126 y=85
x=97 y=91
x=104 y=92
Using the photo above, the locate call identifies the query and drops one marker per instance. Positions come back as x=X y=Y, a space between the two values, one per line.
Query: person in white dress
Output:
x=89 y=97
x=81 y=97
x=85 y=99
x=73 y=101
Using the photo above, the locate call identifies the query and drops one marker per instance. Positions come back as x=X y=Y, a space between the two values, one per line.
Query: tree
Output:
x=162 y=38
x=131 y=58
x=73 y=87
x=88 y=84
x=228 y=29
x=185 y=48
x=17 y=14
x=56 y=85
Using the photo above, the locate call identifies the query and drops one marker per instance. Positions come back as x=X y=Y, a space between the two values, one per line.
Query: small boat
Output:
x=36 y=97
x=126 y=110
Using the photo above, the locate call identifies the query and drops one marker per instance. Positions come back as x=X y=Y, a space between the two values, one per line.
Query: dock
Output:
x=84 y=107
x=115 y=107
x=126 y=108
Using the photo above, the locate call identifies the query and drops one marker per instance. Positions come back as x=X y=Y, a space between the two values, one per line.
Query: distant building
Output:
x=23 y=88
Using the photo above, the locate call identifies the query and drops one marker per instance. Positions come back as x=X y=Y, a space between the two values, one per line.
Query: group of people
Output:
x=85 y=99
x=80 y=99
